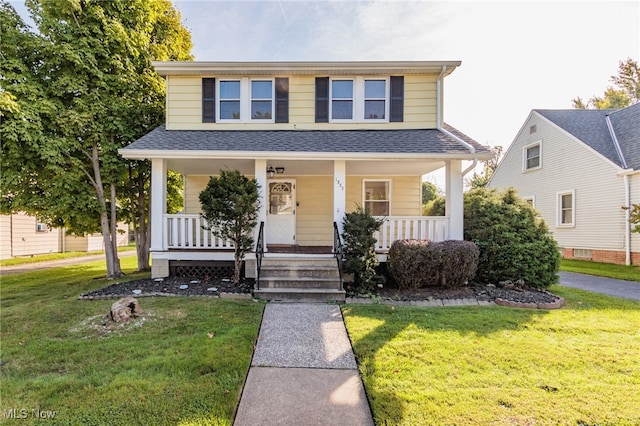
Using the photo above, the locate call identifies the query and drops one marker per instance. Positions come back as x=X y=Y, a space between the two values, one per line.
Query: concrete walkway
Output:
x=610 y=286
x=303 y=371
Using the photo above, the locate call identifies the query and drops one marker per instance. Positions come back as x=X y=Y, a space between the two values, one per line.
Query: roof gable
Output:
x=626 y=127
x=588 y=126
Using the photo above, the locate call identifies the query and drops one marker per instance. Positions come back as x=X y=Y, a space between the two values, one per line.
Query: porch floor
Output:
x=296 y=249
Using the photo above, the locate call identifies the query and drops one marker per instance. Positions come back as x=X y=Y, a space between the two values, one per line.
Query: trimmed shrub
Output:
x=418 y=263
x=514 y=241
x=360 y=248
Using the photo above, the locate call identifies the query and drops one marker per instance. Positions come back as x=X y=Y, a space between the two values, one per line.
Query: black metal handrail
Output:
x=338 y=250
x=259 y=253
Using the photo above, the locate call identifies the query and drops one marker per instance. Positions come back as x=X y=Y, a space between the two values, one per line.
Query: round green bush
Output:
x=514 y=241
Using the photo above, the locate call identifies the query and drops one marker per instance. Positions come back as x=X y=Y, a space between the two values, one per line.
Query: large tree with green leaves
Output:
x=92 y=90
x=624 y=92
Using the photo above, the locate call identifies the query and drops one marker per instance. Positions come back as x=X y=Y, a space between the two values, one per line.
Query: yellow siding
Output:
x=314 y=216
x=405 y=193
x=184 y=107
x=193 y=185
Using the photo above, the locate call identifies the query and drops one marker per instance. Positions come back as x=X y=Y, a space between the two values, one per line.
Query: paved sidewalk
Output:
x=303 y=371
x=610 y=286
x=48 y=264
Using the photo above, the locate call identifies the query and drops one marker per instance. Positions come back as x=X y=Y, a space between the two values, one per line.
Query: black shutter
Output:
x=322 y=99
x=208 y=100
x=282 y=100
x=397 y=99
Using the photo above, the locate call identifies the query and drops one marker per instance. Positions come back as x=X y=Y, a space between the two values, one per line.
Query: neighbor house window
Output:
x=532 y=156
x=377 y=197
x=531 y=200
x=566 y=208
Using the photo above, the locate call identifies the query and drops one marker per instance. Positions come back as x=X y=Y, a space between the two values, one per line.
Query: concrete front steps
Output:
x=310 y=278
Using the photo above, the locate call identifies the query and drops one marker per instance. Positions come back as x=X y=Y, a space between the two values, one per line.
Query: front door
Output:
x=281 y=212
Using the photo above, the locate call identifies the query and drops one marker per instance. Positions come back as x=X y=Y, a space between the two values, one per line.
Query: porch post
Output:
x=454 y=205
x=158 y=202
x=261 y=177
x=339 y=191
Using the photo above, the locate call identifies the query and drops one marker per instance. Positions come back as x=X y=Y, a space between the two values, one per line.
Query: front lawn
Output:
x=495 y=365
x=183 y=362
x=609 y=270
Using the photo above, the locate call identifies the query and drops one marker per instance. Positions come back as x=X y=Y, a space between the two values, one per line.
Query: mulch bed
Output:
x=507 y=294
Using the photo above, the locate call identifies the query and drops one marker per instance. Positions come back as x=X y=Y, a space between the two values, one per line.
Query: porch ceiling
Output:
x=307 y=167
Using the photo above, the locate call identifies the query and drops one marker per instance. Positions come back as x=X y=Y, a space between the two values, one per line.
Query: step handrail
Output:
x=338 y=251
x=259 y=254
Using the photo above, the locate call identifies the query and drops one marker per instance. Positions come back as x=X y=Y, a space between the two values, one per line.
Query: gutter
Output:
x=470 y=147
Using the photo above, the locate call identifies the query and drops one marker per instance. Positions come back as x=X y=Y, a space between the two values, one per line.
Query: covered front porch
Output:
x=302 y=202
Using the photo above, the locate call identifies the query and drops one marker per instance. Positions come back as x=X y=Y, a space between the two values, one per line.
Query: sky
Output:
x=516 y=55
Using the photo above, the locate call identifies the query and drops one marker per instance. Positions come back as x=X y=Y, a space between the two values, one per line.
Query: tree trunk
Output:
x=113 y=270
x=114 y=231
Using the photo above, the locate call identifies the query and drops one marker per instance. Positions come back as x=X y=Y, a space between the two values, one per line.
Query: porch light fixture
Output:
x=271 y=172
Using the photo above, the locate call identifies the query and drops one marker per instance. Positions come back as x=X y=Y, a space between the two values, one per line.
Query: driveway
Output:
x=38 y=266
x=610 y=286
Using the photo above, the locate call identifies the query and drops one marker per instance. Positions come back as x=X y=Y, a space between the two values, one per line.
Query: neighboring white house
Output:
x=319 y=137
x=24 y=235
x=579 y=168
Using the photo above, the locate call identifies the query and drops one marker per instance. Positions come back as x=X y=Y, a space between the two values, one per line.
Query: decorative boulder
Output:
x=125 y=309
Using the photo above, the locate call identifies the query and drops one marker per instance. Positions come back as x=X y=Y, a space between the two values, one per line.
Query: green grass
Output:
x=183 y=362
x=501 y=366
x=57 y=256
x=609 y=270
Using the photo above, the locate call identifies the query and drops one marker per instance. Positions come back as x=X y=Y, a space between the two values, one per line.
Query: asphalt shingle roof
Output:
x=590 y=126
x=308 y=141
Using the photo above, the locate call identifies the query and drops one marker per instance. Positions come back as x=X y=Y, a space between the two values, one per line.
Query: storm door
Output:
x=281 y=212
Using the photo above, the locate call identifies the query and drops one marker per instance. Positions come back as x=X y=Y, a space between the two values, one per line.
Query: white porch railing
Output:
x=184 y=231
x=432 y=228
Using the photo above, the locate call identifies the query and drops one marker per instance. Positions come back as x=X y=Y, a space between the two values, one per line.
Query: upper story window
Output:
x=377 y=197
x=532 y=156
x=359 y=99
x=229 y=99
x=245 y=100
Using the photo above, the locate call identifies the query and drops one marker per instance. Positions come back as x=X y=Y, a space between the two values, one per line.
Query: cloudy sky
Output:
x=516 y=55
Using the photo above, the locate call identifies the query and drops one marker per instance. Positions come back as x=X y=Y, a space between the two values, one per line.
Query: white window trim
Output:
x=389 y=195
x=559 y=195
x=524 y=156
x=531 y=198
x=245 y=100
x=359 y=99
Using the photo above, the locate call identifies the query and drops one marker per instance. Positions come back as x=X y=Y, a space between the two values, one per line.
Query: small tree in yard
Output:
x=230 y=207
x=360 y=247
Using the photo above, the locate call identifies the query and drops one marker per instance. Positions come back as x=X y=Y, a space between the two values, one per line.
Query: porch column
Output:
x=158 y=203
x=339 y=192
x=454 y=205
x=261 y=176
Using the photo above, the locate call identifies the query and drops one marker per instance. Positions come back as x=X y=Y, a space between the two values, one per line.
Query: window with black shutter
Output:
x=282 y=100
x=322 y=99
x=397 y=99
x=208 y=100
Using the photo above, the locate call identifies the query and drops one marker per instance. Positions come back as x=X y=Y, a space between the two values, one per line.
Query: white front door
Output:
x=280 y=227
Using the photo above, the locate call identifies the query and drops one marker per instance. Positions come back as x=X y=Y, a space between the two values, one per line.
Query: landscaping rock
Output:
x=125 y=309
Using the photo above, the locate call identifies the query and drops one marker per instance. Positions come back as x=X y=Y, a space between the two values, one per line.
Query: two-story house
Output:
x=319 y=137
x=578 y=168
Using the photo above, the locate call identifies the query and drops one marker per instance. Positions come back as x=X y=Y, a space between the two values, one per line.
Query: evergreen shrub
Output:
x=514 y=241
